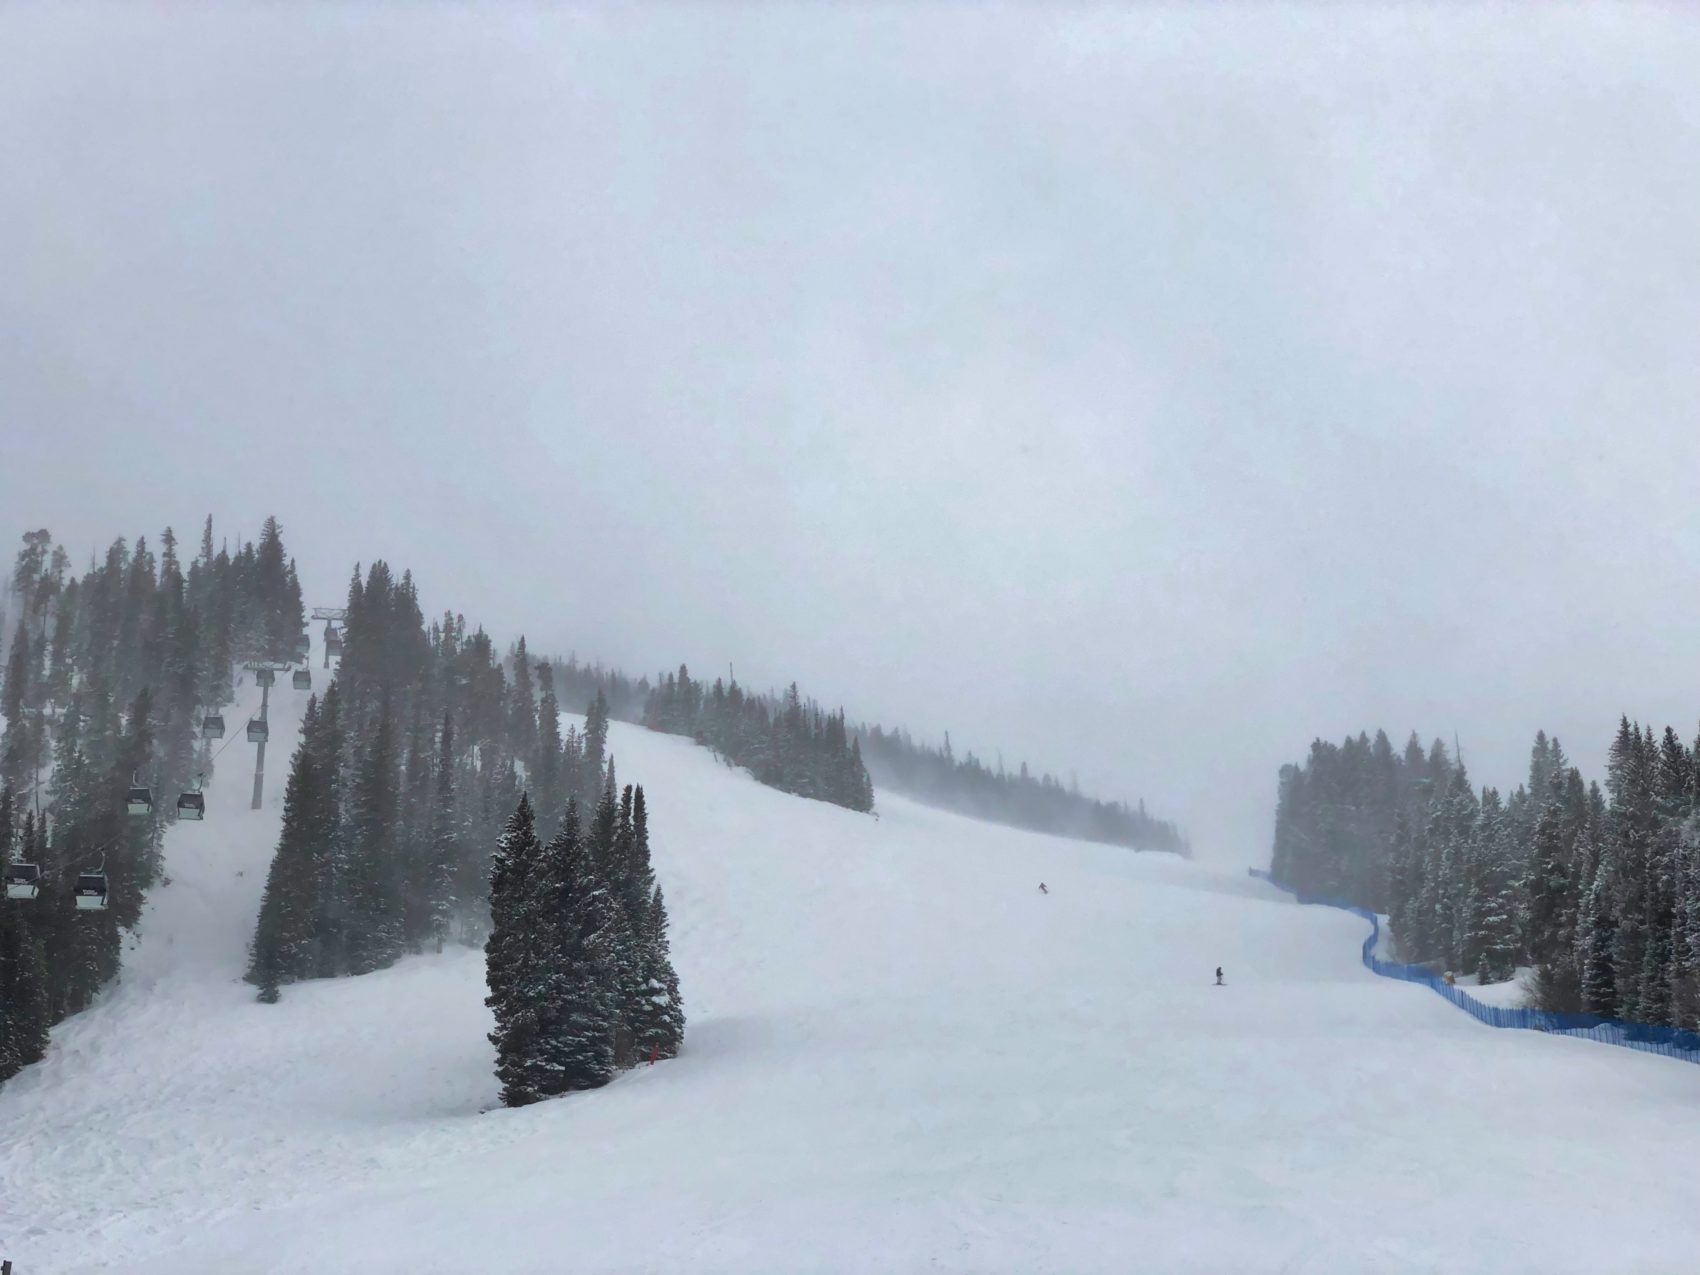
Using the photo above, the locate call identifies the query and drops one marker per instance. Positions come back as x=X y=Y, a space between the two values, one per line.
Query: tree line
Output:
x=784 y=741
x=1597 y=890
x=107 y=677
x=1019 y=798
x=788 y=742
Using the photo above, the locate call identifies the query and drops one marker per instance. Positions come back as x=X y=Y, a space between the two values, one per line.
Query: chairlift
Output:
x=264 y=677
x=333 y=643
x=91 y=891
x=139 y=800
x=23 y=880
x=257 y=730
x=212 y=726
x=303 y=680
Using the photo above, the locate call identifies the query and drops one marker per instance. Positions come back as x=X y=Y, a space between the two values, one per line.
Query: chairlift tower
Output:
x=265 y=684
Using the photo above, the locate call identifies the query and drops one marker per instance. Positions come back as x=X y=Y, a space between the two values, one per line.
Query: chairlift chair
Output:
x=212 y=726
x=90 y=893
x=192 y=805
x=257 y=730
x=264 y=677
x=333 y=645
x=23 y=880
x=139 y=801
x=303 y=680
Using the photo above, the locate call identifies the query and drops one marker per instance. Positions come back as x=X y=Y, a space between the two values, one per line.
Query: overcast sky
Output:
x=1141 y=391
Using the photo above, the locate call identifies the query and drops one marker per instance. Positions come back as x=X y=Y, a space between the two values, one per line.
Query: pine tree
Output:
x=370 y=887
x=547 y=962
x=638 y=877
x=17 y=745
x=286 y=936
x=582 y=1017
x=1685 y=928
x=658 y=1028
x=507 y=957
x=612 y=834
x=522 y=716
x=1598 y=945
x=547 y=774
x=24 y=1000
x=1549 y=885
x=441 y=871
x=595 y=744
x=329 y=744
x=1493 y=939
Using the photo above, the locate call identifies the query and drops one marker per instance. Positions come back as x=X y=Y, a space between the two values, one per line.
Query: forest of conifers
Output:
x=1597 y=890
x=409 y=769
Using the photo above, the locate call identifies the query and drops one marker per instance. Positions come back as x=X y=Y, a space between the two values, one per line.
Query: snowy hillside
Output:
x=901 y=1057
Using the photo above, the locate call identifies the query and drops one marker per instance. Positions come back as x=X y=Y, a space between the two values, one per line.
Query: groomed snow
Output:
x=901 y=1057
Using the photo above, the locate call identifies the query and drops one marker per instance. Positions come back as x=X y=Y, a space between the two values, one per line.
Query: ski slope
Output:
x=901 y=1057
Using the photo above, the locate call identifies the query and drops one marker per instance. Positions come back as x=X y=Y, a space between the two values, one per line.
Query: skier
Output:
x=1219 y=982
x=1042 y=889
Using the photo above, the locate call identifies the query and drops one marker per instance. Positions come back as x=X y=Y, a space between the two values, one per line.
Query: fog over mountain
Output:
x=1141 y=392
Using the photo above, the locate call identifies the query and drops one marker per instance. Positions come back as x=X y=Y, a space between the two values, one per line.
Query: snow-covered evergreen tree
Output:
x=445 y=850
x=368 y=882
x=583 y=1015
x=658 y=1026
x=508 y=956
x=1598 y=943
x=1493 y=938
x=286 y=936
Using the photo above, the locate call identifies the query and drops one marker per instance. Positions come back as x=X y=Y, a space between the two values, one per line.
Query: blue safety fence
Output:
x=1669 y=1041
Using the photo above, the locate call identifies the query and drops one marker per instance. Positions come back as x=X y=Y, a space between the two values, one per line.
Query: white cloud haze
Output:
x=1142 y=390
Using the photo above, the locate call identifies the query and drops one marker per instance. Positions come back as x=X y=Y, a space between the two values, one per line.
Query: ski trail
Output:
x=899 y=1057
x=182 y=966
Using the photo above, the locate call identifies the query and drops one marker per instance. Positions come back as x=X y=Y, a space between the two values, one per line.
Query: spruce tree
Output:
x=547 y=780
x=1493 y=940
x=442 y=868
x=27 y=1010
x=522 y=715
x=286 y=936
x=1685 y=928
x=1598 y=945
x=328 y=835
x=507 y=955
x=1549 y=886
x=658 y=1027
x=595 y=745
x=370 y=888
x=610 y=850
x=583 y=1013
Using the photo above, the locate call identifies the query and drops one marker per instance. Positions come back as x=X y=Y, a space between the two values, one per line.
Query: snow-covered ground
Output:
x=901 y=1057
x=1511 y=994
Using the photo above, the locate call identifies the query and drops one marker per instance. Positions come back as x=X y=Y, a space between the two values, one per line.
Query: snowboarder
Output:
x=1219 y=982
x=1042 y=889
